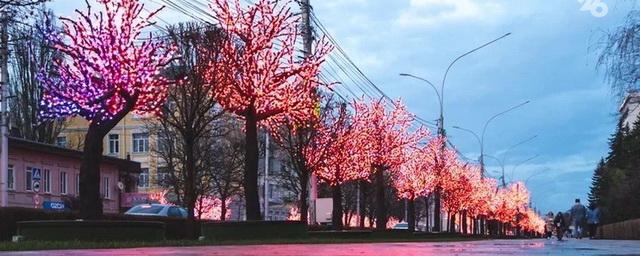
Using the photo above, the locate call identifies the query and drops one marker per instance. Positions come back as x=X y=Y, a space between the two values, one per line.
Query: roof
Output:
x=123 y=164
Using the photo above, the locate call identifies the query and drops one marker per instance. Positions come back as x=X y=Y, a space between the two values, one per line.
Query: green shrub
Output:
x=92 y=230
x=254 y=230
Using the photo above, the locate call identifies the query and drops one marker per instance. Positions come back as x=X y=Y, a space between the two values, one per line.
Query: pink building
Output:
x=58 y=170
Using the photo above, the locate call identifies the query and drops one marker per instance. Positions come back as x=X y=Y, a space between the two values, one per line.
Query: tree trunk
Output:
x=453 y=223
x=336 y=214
x=251 y=197
x=464 y=222
x=223 y=209
x=381 y=210
x=363 y=203
x=304 y=196
x=191 y=195
x=90 y=200
x=436 y=211
x=411 y=214
x=426 y=213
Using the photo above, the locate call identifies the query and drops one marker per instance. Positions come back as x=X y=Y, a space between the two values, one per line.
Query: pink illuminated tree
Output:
x=261 y=76
x=332 y=156
x=105 y=73
x=383 y=133
x=412 y=179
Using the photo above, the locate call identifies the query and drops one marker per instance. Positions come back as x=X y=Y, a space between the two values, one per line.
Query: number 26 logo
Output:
x=596 y=7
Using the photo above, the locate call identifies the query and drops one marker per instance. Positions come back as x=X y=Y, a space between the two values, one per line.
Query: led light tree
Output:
x=106 y=72
x=414 y=178
x=333 y=156
x=384 y=136
x=442 y=159
x=261 y=76
x=458 y=185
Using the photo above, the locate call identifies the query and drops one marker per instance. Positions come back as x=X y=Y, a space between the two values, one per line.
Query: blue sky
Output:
x=550 y=59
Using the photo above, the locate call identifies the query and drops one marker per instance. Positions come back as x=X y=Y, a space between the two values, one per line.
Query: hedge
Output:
x=254 y=230
x=92 y=230
x=10 y=216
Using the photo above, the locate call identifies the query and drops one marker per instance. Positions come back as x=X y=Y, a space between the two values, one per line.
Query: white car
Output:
x=158 y=210
x=401 y=226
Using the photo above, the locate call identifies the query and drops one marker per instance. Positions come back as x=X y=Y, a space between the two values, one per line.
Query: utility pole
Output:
x=4 y=118
x=266 y=176
x=307 y=41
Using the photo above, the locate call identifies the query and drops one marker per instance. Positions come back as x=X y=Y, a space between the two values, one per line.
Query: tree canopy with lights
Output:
x=261 y=76
x=383 y=133
x=107 y=71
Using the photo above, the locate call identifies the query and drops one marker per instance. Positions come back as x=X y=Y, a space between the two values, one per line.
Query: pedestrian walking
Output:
x=560 y=224
x=578 y=218
x=593 y=219
x=548 y=227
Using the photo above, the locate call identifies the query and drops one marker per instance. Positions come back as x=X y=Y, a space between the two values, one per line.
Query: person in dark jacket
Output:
x=560 y=225
x=593 y=219
x=578 y=218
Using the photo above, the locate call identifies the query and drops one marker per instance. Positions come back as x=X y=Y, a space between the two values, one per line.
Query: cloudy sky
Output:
x=550 y=59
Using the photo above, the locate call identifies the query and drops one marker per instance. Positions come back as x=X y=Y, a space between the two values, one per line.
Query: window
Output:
x=105 y=188
x=114 y=143
x=174 y=212
x=63 y=183
x=77 y=184
x=46 y=176
x=10 y=178
x=61 y=141
x=163 y=177
x=140 y=142
x=28 y=178
x=143 y=178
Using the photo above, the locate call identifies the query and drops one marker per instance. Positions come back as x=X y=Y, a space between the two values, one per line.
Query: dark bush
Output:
x=9 y=217
x=175 y=227
x=254 y=230
x=92 y=230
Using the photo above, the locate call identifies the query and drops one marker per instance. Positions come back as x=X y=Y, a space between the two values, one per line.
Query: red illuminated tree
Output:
x=106 y=72
x=261 y=76
x=333 y=156
x=414 y=178
x=384 y=137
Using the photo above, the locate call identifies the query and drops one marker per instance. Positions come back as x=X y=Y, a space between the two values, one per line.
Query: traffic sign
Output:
x=53 y=205
x=36 y=174
x=36 y=186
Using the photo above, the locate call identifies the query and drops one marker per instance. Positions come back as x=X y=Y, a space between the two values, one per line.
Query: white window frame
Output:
x=46 y=178
x=106 y=192
x=145 y=179
x=63 y=183
x=114 y=143
x=11 y=178
x=141 y=143
x=63 y=145
x=28 y=178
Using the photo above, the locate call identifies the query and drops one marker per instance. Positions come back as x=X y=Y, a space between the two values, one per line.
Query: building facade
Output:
x=130 y=139
x=630 y=110
x=40 y=173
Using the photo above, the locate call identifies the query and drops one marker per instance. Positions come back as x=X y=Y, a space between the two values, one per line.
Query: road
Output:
x=489 y=247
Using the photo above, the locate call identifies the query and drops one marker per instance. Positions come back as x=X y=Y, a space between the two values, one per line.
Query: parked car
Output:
x=401 y=226
x=158 y=210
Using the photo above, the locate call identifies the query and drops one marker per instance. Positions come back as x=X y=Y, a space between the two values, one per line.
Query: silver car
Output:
x=158 y=210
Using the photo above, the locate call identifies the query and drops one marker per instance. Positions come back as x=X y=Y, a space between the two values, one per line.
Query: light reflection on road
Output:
x=489 y=247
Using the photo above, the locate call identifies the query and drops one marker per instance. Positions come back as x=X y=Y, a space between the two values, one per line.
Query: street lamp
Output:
x=440 y=94
x=521 y=163
x=484 y=130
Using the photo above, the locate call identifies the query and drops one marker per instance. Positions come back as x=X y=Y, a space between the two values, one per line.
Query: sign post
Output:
x=35 y=185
